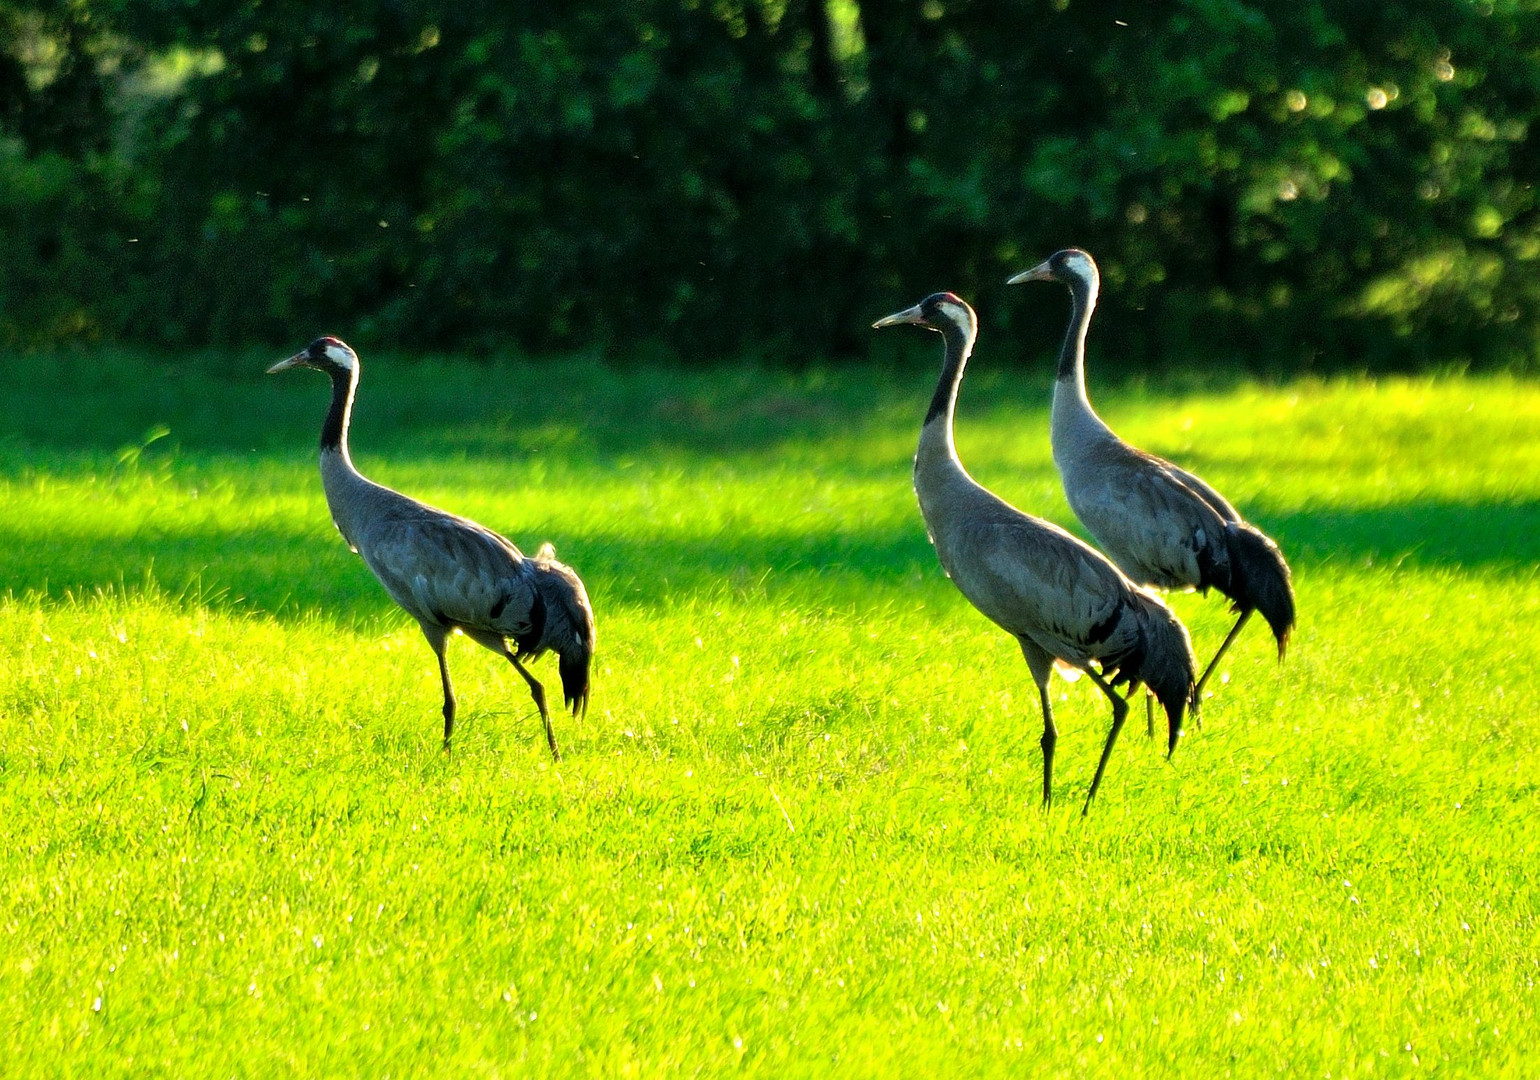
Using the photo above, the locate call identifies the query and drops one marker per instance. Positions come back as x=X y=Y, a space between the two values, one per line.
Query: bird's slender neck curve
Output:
x=1072 y=355
x=943 y=405
x=334 y=432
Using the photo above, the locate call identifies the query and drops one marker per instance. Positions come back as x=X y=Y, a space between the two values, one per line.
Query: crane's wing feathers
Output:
x=449 y=571
x=1216 y=502
x=1158 y=523
x=1036 y=580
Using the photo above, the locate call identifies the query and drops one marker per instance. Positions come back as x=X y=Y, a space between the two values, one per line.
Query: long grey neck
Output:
x=1073 y=417
x=334 y=432
x=936 y=434
x=347 y=492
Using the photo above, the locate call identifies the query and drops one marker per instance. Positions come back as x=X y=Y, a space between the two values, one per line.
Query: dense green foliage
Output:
x=799 y=828
x=1345 y=184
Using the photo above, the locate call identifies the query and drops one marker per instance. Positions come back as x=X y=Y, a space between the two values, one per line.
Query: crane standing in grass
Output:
x=1160 y=524
x=450 y=573
x=1060 y=598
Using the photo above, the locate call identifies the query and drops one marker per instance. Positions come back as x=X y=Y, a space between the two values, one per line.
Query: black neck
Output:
x=1071 y=354
x=958 y=345
x=334 y=432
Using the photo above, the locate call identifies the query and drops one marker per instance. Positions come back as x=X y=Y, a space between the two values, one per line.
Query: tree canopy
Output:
x=1285 y=184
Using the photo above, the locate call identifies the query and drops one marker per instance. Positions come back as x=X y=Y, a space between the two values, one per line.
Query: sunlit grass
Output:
x=798 y=831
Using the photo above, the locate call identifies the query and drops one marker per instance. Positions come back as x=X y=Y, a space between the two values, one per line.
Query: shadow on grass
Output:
x=1486 y=536
x=301 y=574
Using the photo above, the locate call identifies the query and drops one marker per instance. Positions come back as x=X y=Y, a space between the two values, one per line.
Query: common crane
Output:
x=1160 y=524
x=448 y=572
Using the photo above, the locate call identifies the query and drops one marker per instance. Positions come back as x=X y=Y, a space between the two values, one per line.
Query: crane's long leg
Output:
x=1048 y=741
x=1119 y=714
x=1149 y=707
x=449 y=699
x=1197 y=694
x=437 y=637
x=537 y=692
x=1041 y=666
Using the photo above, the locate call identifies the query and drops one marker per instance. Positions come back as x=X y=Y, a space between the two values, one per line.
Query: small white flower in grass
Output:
x=1098 y=1037
x=737 y=1042
x=96 y=1006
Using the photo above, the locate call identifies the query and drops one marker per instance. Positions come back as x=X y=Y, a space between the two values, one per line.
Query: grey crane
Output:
x=448 y=572
x=1160 y=524
x=1059 y=597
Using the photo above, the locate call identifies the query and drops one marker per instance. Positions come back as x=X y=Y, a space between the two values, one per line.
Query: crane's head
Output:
x=326 y=354
x=1068 y=267
x=939 y=311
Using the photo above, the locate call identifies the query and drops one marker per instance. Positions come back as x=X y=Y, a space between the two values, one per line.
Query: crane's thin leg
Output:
x=537 y=692
x=449 y=700
x=1119 y=714
x=1197 y=694
x=1049 y=740
x=1041 y=666
x=437 y=637
x=1149 y=707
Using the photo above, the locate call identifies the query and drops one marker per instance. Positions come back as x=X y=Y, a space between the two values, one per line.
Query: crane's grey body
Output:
x=1055 y=594
x=1026 y=575
x=446 y=571
x=1159 y=523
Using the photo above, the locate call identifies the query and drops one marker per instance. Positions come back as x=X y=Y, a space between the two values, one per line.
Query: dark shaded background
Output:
x=1277 y=185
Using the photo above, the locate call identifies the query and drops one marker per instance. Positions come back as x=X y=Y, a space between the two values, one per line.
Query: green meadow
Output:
x=798 y=833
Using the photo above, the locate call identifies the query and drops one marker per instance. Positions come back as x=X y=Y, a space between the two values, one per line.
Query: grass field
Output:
x=798 y=833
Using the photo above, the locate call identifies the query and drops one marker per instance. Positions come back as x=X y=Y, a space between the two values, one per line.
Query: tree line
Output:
x=1274 y=184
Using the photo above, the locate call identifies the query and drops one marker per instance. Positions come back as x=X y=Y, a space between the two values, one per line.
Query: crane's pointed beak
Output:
x=1040 y=272
x=297 y=360
x=908 y=315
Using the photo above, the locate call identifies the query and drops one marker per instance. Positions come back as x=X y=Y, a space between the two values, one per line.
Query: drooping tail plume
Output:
x=573 y=666
x=1260 y=580
x=1167 y=665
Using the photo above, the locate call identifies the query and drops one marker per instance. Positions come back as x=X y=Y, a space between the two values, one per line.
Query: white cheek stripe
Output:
x=341 y=357
x=1081 y=266
x=955 y=313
